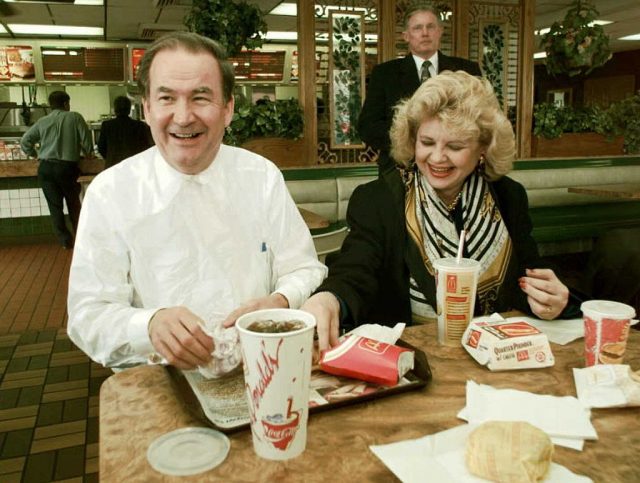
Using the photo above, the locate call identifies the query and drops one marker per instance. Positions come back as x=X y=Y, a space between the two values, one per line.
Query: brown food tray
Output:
x=338 y=391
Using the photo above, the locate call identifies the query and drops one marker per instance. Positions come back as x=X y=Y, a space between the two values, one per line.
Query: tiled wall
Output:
x=23 y=210
x=20 y=203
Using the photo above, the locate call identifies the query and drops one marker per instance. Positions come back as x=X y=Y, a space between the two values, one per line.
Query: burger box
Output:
x=507 y=345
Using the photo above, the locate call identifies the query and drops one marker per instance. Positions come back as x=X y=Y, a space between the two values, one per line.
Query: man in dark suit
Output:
x=122 y=137
x=397 y=79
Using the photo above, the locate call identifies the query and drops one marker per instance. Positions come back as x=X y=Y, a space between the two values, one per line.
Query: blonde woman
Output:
x=453 y=146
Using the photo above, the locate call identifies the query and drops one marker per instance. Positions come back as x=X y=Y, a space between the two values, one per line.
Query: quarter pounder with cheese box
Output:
x=505 y=345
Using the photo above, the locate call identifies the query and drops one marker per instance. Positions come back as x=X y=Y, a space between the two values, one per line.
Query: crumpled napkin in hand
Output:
x=226 y=352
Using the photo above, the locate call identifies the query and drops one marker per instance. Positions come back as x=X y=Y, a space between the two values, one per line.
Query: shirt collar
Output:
x=433 y=59
x=169 y=178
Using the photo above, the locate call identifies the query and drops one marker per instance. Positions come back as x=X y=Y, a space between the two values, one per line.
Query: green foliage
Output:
x=621 y=118
x=233 y=24
x=282 y=118
x=576 y=46
x=624 y=118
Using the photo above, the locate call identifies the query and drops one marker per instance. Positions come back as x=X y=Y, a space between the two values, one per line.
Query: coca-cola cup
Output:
x=277 y=371
x=606 y=329
x=456 y=283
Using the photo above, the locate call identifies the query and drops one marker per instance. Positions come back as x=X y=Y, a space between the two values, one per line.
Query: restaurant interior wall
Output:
x=617 y=79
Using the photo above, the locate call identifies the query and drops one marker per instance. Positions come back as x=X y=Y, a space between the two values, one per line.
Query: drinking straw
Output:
x=460 y=247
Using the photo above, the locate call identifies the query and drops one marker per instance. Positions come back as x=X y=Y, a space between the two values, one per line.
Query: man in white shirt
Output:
x=188 y=232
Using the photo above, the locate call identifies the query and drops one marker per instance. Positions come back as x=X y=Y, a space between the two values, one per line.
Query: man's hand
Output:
x=176 y=333
x=273 y=301
x=325 y=307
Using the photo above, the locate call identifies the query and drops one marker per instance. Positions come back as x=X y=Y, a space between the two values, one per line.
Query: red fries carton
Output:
x=369 y=360
x=507 y=345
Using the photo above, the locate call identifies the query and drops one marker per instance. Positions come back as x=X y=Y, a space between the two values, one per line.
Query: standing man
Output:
x=399 y=78
x=189 y=232
x=63 y=136
x=122 y=137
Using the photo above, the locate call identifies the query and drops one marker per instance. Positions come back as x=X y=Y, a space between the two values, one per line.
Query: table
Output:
x=313 y=220
x=618 y=190
x=139 y=404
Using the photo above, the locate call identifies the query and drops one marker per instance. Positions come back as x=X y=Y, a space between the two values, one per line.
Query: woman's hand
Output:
x=325 y=307
x=546 y=294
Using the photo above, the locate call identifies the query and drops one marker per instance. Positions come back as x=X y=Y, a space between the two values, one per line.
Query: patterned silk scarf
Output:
x=432 y=228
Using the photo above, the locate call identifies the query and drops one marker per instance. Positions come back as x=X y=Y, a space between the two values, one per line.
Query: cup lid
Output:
x=188 y=451
x=609 y=308
x=464 y=264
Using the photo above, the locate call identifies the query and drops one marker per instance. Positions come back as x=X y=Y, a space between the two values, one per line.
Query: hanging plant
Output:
x=233 y=24
x=576 y=46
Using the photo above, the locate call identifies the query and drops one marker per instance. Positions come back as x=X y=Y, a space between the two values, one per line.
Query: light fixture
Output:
x=275 y=35
x=2 y=29
x=293 y=36
x=66 y=30
x=630 y=37
x=285 y=9
x=291 y=9
x=539 y=55
x=61 y=2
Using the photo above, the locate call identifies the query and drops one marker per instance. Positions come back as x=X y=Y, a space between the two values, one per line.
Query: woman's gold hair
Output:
x=467 y=107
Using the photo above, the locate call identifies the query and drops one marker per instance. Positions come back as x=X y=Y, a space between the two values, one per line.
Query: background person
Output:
x=122 y=137
x=455 y=146
x=398 y=79
x=63 y=137
x=187 y=232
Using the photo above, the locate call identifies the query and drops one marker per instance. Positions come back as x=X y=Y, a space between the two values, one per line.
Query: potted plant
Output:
x=233 y=24
x=272 y=129
x=576 y=46
x=575 y=131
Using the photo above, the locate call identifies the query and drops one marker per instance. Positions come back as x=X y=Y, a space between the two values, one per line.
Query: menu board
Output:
x=83 y=64
x=259 y=66
x=16 y=64
x=136 y=57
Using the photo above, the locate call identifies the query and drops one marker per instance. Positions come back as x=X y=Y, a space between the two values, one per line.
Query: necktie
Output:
x=424 y=71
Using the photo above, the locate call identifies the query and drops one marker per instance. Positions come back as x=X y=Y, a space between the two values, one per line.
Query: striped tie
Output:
x=424 y=71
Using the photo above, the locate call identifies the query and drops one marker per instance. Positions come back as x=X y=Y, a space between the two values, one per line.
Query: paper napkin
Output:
x=564 y=419
x=441 y=457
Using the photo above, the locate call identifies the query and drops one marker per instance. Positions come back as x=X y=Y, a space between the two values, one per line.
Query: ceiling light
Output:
x=2 y=29
x=291 y=9
x=28 y=29
x=539 y=55
x=630 y=37
x=275 y=35
x=288 y=9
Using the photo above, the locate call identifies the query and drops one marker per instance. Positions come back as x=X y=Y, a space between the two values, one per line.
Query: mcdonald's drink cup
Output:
x=276 y=353
x=456 y=285
x=606 y=328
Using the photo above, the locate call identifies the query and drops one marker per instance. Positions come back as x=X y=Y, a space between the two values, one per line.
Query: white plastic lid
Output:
x=465 y=264
x=188 y=451
x=608 y=308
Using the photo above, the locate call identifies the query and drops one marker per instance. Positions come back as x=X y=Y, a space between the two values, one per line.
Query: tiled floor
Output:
x=48 y=388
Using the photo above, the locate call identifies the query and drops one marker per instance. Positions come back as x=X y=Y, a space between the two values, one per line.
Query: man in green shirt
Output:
x=63 y=136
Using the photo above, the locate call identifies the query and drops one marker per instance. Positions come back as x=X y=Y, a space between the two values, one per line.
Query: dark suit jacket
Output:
x=389 y=83
x=121 y=138
x=371 y=272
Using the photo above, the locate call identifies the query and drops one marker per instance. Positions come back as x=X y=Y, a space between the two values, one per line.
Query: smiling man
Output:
x=398 y=79
x=190 y=232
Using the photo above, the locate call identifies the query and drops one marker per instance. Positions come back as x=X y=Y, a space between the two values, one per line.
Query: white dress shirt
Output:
x=433 y=68
x=151 y=237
